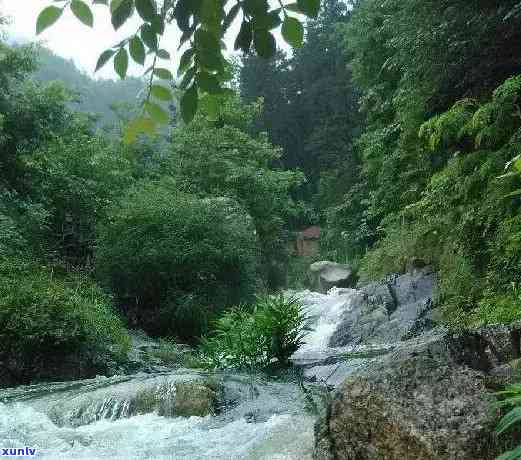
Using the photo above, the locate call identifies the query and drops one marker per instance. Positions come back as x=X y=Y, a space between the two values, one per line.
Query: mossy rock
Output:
x=194 y=399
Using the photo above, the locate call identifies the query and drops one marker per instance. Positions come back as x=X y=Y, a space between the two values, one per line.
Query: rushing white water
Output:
x=325 y=311
x=103 y=418
x=151 y=436
x=99 y=419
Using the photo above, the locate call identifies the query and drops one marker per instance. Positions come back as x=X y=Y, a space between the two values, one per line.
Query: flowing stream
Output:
x=132 y=417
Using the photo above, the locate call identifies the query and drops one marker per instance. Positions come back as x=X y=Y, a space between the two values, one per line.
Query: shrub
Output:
x=249 y=338
x=54 y=325
x=496 y=309
x=393 y=253
x=174 y=260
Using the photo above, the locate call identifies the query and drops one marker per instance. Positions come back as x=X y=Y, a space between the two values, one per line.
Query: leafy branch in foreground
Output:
x=203 y=23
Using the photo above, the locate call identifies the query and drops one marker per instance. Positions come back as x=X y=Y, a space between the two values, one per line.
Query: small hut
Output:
x=308 y=242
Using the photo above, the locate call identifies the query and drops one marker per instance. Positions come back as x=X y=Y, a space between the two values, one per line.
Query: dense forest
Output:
x=395 y=126
x=404 y=117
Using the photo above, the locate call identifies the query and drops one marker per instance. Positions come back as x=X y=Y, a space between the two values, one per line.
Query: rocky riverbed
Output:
x=376 y=379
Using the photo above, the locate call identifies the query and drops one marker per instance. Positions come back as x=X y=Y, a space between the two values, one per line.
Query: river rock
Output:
x=324 y=275
x=194 y=399
x=397 y=308
x=429 y=399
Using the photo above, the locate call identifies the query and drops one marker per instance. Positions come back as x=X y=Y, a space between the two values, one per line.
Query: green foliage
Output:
x=509 y=398
x=45 y=313
x=174 y=260
x=283 y=321
x=297 y=277
x=392 y=253
x=253 y=337
x=202 y=24
x=464 y=222
x=413 y=61
x=171 y=353
x=76 y=180
x=222 y=158
x=310 y=104
x=498 y=309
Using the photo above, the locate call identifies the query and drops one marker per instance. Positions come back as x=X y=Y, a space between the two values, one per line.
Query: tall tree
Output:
x=310 y=102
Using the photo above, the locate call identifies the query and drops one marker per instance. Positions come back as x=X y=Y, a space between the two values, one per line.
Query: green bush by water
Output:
x=48 y=317
x=255 y=337
x=174 y=261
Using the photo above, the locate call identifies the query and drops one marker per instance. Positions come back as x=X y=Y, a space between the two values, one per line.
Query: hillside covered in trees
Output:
x=404 y=115
x=106 y=99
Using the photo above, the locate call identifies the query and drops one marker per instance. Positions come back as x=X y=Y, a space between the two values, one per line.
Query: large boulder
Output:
x=397 y=308
x=194 y=399
x=324 y=275
x=429 y=399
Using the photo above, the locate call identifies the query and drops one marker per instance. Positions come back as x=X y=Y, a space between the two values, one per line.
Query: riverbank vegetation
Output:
x=395 y=125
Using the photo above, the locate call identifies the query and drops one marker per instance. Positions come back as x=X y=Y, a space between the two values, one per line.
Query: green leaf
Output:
x=188 y=77
x=293 y=7
x=140 y=125
x=514 y=454
x=255 y=8
x=511 y=418
x=47 y=18
x=189 y=104
x=157 y=113
x=210 y=14
x=517 y=164
x=149 y=37
x=187 y=34
x=208 y=83
x=137 y=50
x=160 y=92
x=244 y=37
x=210 y=59
x=230 y=17
x=121 y=10
x=293 y=31
x=82 y=11
x=114 y=5
x=158 y=25
x=163 y=54
x=146 y=9
x=309 y=7
x=182 y=14
x=264 y=43
x=104 y=58
x=121 y=63
x=163 y=74
x=185 y=61
x=513 y=194
x=212 y=104
x=268 y=20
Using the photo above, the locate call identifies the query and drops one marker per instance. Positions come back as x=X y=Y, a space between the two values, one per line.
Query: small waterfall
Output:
x=325 y=312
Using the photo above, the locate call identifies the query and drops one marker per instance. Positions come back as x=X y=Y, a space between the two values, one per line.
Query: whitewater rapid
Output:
x=96 y=419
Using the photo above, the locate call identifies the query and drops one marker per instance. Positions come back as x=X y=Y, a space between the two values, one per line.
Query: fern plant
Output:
x=511 y=398
x=254 y=337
